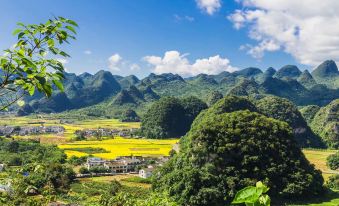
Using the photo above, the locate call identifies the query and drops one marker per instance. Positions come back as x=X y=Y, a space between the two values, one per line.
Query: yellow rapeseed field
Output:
x=123 y=147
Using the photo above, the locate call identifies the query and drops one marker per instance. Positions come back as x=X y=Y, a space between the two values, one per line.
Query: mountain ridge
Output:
x=86 y=90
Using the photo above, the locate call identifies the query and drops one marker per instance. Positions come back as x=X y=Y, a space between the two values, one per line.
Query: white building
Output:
x=94 y=162
x=146 y=172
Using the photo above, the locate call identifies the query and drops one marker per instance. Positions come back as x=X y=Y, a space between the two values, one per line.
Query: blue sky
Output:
x=138 y=33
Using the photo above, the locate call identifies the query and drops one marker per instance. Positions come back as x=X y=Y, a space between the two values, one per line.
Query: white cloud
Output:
x=114 y=61
x=177 y=63
x=134 y=67
x=306 y=29
x=209 y=6
x=88 y=52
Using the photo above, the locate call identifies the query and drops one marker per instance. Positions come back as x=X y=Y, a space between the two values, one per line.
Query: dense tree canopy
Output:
x=220 y=166
x=16 y=153
x=284 y=110
x=213 y=97
x=129 y=115
x=309 y=112
x=170 y=117
x=326 y=124
x=228 y=150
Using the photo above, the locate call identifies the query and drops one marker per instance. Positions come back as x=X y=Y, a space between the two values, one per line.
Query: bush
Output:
x=333 y=161
x=83 y=170
x=98 y=170
x=114 y=187
x=333 y=182
x=74 y=160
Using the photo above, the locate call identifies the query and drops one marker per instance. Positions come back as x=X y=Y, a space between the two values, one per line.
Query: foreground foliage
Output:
x=26 y=67
x=253 y=196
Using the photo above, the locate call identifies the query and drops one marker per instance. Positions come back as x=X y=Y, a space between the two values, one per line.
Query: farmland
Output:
x=118 y=146
x=318 y=158
x=122 y=147
x=70 y=125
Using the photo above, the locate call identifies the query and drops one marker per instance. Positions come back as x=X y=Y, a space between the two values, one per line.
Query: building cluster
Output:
x=105 y=132
x=128 y=164
x=29 y=130
x=118 y=165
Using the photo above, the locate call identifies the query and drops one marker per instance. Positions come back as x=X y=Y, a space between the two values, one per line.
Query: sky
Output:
x=186 y=37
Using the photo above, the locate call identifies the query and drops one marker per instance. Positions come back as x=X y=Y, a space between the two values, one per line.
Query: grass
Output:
x=120 y=178
x=137 y=179
x=121 y=147
x=318 y=158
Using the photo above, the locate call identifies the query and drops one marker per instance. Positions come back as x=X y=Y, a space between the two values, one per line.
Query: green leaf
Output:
x=72 y=22
x=59 y=85
x=265 y=200
x=31 y=90
x=47 y=89
x=62 y=53
x=249 y=194
x=262 y=186
x=20 y=35
x=50 y=42
x=71 y=29
x=20 y=103
x=16 y=31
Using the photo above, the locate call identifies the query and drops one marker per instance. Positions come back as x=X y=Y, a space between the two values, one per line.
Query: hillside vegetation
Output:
x=219 y=156
x=326 y=124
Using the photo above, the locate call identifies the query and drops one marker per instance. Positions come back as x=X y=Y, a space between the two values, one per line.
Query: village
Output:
x=142 y=166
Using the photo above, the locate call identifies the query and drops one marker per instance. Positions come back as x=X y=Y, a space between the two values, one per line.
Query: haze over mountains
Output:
x=319 y=87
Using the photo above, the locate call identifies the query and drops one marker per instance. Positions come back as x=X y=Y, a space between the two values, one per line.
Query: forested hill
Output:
x=104 y=89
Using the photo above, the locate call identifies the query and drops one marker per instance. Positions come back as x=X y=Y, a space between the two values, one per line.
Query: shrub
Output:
x=84 y=170
x=333 y=182
x=333 y=161
x=98 y=170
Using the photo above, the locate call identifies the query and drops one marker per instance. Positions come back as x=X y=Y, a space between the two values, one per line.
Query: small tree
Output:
x=333 y=182
x=29 y=64
x=333 y=161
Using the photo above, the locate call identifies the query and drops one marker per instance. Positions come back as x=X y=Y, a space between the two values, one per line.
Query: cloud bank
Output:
x=174 y=62
x=306 y=29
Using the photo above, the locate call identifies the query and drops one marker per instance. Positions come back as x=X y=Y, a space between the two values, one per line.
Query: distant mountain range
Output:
x=109 y=91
